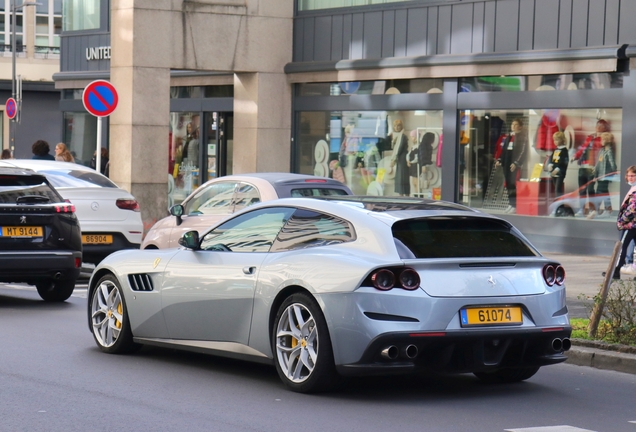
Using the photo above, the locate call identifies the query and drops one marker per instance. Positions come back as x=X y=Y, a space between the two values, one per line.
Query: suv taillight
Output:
x=128 y=204
x=65 y=208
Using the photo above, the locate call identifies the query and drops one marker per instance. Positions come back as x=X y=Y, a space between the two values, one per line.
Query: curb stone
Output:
x=619 y=358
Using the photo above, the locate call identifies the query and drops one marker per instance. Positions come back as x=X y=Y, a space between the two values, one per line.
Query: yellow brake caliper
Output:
x=120 y=311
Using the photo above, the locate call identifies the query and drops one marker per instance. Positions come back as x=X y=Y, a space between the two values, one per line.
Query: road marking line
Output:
x=561 y=428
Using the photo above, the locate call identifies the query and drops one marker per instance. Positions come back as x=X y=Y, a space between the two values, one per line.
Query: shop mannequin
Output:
x=412 y=161
x=399 y=143
x=559 y=161
x=513 y=156
x=586 y=155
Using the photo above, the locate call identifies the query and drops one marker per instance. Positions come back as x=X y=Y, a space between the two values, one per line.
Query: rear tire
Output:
x=508 y=375
x=109 y=318
x=55 y=291
x=302 y=347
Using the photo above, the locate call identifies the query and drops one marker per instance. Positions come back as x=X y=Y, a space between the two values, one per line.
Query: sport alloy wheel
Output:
x=55 y=291
x=109 y=319
x=507 y=375
x=301 y=344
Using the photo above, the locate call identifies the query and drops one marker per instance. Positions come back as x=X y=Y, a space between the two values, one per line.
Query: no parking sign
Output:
x=12 y=108
x=100 y=99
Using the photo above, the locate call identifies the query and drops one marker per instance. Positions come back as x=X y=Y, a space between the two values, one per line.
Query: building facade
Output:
x=518 y=108
x=37 y=54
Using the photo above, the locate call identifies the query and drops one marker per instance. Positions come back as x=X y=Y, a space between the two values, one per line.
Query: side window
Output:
x=245 y=196
x=312 y=229
x=250 y=232
x=213 y=199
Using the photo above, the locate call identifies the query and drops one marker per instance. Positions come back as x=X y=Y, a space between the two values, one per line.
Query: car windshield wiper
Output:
x=32 y=199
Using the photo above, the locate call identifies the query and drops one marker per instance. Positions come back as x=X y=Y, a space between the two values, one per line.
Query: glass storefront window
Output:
x=554 y=163
x=80 y=136
x=183 y=164
x=424 y=85
x=374 y=152
x=81 y=15
x=542 y=82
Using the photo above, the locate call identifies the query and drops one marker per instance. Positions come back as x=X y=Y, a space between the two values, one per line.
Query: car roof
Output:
x=385 y=204
x=278 y=178
x=38 y=164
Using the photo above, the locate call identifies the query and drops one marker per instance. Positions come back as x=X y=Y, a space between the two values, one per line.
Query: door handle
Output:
x=249 y=270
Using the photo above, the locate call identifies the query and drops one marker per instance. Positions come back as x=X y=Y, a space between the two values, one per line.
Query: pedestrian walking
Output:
x=626 y=222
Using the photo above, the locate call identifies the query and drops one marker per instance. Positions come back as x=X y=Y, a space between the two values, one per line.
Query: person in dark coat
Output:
x=103 y=163
x=41 y=150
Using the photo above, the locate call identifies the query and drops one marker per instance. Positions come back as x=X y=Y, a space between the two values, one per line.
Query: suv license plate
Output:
x=97 y=239
x=22 y=231
x=491 y=315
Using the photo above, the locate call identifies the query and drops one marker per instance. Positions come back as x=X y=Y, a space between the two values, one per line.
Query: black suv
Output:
x=40 y=236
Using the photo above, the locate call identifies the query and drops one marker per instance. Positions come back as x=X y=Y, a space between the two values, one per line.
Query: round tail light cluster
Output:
x=554 y=274
x=386 y=279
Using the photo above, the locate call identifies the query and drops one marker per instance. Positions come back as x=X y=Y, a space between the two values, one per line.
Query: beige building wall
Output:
x=251 y=39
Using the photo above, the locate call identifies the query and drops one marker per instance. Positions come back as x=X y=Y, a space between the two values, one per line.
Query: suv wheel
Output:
x=55 y=291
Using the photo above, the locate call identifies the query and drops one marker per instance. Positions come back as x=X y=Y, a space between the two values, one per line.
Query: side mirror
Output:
x=190 y=240
x=177 y=211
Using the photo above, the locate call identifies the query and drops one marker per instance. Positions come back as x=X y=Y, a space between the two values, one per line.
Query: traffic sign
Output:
x=100 y=98
x=12 y=108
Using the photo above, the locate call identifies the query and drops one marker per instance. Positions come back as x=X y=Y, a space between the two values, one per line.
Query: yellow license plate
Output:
x=491 y=315
x=22 y=231
x=97 y=239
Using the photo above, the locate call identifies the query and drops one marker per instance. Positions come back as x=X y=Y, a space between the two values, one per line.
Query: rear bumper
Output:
x=35 y=266
x=96 y=253
x=460 y=351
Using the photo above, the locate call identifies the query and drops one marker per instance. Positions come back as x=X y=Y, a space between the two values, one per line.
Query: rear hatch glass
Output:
x=77 y=179
x=459 y=237
x=24 y=190
x=314 y=192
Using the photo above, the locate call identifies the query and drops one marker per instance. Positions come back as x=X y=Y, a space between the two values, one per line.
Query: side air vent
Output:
x=140 y=282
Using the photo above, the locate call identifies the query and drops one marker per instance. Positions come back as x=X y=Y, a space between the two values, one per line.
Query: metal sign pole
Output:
x=98 y=151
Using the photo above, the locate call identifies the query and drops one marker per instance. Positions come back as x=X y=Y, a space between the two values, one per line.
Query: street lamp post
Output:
x=14 y=8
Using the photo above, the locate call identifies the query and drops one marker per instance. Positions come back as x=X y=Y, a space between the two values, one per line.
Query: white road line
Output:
x=562 y=428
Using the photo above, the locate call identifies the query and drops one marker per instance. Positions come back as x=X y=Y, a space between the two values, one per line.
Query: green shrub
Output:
x=618 y=318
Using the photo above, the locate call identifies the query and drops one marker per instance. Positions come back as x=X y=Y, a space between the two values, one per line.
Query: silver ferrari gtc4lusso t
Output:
x=324 y=288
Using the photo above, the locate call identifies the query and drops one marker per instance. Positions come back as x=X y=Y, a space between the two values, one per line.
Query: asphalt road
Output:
x=53 y=378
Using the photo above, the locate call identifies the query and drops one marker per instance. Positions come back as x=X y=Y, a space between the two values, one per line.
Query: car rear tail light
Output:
x=128 y=204
x=65 y=208
x=398 y=277
x=383 y=279
x=315 y=181
x=559 y=275
x=409 y=279
x=554 y=274
x=78 y=262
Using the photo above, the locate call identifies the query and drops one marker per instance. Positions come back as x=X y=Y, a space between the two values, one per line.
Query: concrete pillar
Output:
x=139 y=125
x=262 y=122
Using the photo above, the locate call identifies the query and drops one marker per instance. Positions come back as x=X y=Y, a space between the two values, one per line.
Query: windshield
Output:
x=77 y=179
x=460 y=237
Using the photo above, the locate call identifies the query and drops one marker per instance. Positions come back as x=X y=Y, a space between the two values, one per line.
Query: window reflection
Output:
x=588 y=81
x=557 y=163
x=374 y=152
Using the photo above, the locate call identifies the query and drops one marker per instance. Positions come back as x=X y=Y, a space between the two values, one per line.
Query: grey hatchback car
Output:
x=223 y=196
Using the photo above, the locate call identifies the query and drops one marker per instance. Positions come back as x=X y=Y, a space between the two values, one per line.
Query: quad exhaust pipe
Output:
x=391 y=352
x=561 y=344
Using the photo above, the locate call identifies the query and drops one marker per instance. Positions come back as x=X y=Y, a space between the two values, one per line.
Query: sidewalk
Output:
x=583 y=276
